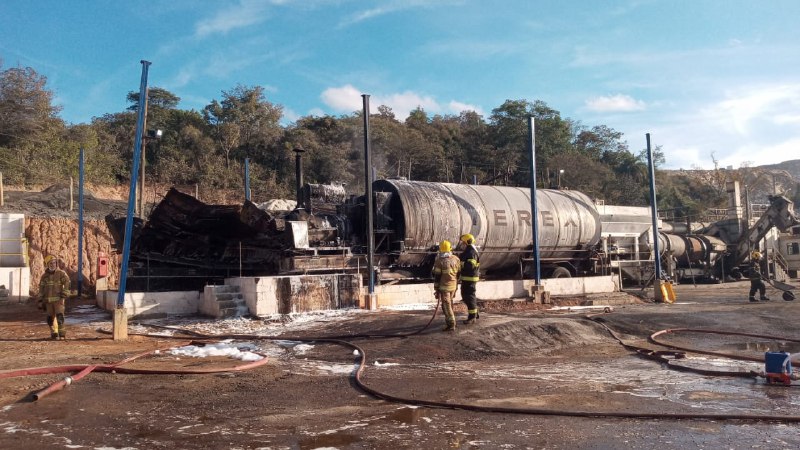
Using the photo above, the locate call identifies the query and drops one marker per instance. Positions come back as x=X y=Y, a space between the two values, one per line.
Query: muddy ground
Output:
x=556 y=362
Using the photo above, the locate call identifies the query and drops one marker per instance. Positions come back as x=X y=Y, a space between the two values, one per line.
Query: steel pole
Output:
x=80 y=221
x=534 y=209
x=247 y=179
x=137 y=152
x=368 y=182
x=144 y=155
x=653 y=209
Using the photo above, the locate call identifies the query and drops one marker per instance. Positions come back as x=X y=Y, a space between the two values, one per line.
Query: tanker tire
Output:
x=560 y=272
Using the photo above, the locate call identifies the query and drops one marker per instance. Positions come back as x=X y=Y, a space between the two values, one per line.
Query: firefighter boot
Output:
x=62 y=333
x=470 y=319
x=764 y=298
x=753 y=299
x=451 y=326
x=51 y=321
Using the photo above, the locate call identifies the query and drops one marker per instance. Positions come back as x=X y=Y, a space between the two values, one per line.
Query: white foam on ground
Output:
x=225 y=348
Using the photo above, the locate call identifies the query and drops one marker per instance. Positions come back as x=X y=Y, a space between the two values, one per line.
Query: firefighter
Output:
x=470 y=272
x=445 y=282
x=53 y=291
x=756 y=283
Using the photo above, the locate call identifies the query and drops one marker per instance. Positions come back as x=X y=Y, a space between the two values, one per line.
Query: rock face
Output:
x=59 y=236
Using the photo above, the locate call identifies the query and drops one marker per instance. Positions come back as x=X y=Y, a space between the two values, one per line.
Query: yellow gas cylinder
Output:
x=664 y=292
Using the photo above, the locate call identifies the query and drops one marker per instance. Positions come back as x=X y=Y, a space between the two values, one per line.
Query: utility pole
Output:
x=144 y=151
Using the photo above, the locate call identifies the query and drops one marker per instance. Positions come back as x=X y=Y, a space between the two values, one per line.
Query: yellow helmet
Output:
x=755 y=255
x=467 y=238
x=48 y=258
x=445 y=246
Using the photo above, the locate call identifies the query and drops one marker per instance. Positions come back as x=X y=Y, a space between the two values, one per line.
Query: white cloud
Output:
x=289 y=115
x=245 y=14
x=744 y=108
x=403 y=103
x=755 y=124
x=394 y=6
x=184 y=76
x=458 y=107
x=316 y=112
x=342 y=99
x=614 y=103
x=347 y=99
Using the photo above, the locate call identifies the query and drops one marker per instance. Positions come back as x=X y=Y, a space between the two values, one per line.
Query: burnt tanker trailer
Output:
x=412 y=217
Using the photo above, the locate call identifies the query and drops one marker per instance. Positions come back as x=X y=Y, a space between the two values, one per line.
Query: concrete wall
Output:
x=298 y=293
x=581 y=286
x=17 y=280
x=400 y=294
x=302 y=293
x=143 y=304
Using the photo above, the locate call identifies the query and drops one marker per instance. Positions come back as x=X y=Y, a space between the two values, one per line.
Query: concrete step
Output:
x=224 y=288
x=235 y=311
x=227 y=295
x=231 y=302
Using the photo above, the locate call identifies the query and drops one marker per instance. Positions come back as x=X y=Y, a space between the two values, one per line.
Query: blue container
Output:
x=774 y=362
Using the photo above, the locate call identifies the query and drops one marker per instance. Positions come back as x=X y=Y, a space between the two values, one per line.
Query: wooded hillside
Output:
x=208 y=147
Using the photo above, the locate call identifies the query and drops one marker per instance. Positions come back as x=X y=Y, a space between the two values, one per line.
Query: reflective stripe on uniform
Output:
x=463 y=278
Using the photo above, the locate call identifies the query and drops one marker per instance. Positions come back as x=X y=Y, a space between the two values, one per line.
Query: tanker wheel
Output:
x=560 y=272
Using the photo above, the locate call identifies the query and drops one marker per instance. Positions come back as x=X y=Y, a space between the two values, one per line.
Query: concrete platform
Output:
x=266 y=296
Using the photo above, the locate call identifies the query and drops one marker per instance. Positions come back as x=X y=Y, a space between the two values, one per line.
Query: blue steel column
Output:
x=653 y=208
x=368 y=181
x=247 y=179
x=137 y=151
x=534 y=210
x=80 y=223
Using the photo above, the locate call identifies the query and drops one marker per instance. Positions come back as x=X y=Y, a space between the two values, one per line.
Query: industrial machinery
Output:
x=188 y=240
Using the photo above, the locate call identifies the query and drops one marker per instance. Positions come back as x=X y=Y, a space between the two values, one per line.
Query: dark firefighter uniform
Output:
x=53 y=291
x=470 y=273
x=756 y=283
x=445 y=282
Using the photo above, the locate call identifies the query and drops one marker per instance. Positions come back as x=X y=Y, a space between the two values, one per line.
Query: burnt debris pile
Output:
x=186 y=242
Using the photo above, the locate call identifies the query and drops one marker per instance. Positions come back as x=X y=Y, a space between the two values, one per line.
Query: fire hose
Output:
x=84 y=369
x=359 y=382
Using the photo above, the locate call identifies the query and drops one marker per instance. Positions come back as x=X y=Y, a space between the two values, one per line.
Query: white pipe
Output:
x=788 y=359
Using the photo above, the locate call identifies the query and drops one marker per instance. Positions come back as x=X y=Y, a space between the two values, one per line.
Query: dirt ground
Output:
x=563 y=367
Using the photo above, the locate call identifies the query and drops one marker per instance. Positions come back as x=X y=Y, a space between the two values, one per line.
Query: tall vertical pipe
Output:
x=247 y=179
x=80 y=221
x=653 y=208
x=368 y=182
x=137 y=152
x=534 y=210
x=298 y=175
x=144 y=155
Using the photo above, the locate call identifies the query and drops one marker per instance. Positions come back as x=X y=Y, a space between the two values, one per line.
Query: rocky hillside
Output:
x=760 y=181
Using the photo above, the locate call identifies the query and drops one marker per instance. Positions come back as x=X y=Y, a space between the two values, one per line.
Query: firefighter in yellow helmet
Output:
x=53 y=291
x=445 y=273
x=470 y=273
x=756 y=283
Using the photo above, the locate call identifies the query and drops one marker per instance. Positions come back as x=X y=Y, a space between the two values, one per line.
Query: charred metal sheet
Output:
x=324 y=198
x=185 y=232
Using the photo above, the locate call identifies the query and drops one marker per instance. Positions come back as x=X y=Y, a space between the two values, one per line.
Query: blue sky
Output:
x=702 y=77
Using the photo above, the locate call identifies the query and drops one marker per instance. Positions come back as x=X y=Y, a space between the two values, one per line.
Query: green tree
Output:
x=246 y=122
x=31 y=147
x=509 y=124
